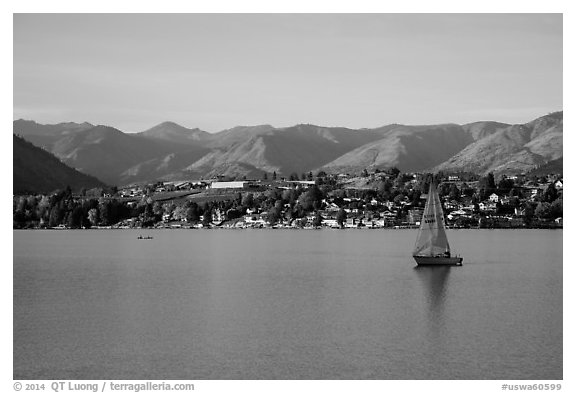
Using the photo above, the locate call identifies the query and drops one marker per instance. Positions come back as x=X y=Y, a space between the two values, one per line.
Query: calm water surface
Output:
x=285 y=304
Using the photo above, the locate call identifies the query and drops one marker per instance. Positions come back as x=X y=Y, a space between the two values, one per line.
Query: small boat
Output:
x=144 y=237
x=432 y=246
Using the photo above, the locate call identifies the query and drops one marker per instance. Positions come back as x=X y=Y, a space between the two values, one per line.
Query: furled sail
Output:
x=432 y=240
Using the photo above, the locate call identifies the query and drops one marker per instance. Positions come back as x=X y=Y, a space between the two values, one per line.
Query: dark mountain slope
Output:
x=37 y=171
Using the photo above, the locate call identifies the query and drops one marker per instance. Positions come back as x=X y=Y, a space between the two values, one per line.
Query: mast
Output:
x=432 y=240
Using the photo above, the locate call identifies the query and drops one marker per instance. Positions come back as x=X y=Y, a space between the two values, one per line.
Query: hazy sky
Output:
x=216 y=71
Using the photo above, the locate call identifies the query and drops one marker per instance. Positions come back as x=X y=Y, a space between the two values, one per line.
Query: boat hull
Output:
x=438 y=261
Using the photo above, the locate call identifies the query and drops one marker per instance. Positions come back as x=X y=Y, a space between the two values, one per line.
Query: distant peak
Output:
x=169 y=123
x=255 y=126
x=173 y=126
x=24 y=121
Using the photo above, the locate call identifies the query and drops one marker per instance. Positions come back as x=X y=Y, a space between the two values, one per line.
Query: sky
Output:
x=217 y=71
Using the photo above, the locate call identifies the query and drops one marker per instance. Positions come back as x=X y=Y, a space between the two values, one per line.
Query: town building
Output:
x=228 y=184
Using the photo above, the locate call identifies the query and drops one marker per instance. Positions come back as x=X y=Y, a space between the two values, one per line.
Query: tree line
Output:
x=87 y=209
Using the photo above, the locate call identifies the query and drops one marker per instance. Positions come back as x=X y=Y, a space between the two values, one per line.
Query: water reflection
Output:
x=434 y=279
x=435 y=286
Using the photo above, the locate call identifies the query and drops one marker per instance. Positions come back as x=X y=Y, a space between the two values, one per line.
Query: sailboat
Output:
x=432 y=246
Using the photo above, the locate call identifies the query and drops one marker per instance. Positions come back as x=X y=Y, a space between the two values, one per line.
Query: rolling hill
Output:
x=284 y=150
x=513 y=149
x=410 y=148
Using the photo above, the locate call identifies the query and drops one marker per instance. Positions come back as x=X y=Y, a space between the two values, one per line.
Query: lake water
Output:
x=285 y=304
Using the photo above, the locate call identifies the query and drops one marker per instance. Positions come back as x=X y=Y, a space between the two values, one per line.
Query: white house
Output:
x=254 y=220
x=228 y=184
x=330 y=223
x=558 y=185
x=218 y=216
x=330 y=207
x=494 y=198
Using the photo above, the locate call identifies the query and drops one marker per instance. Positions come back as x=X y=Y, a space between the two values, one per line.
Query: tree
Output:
x=399 y=198
x=290 y=196
x=192 y=214
x=248 y=200
x=415 y=198
x=311 y=199
x=147 y=213
x=317 y=221
x=399 y=181
x=75 y=218
x=454 y=193
x=550 y=194
x=157 y=209
x=274 y=175
x=341 y=217
x=93 y=216
x=384 y=189
x=467 y=190
x=505 y=185
x=393 y=172
x=56 y=216
x=105 y=212
x=556 y=208
x=19 y=218
x=44 y=209
x=265 y=176
x=543 y=210
x=168 y=208
x=232 y=214
x=273 y=194
x=528 y=214
x=207 y=218
x=274 y=215
x=180 y=213
x=486 y=186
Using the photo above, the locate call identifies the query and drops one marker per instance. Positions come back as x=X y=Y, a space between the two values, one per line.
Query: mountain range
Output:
x=171 y=151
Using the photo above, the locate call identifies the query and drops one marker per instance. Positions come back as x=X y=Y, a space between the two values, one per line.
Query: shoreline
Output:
x=279 y=228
